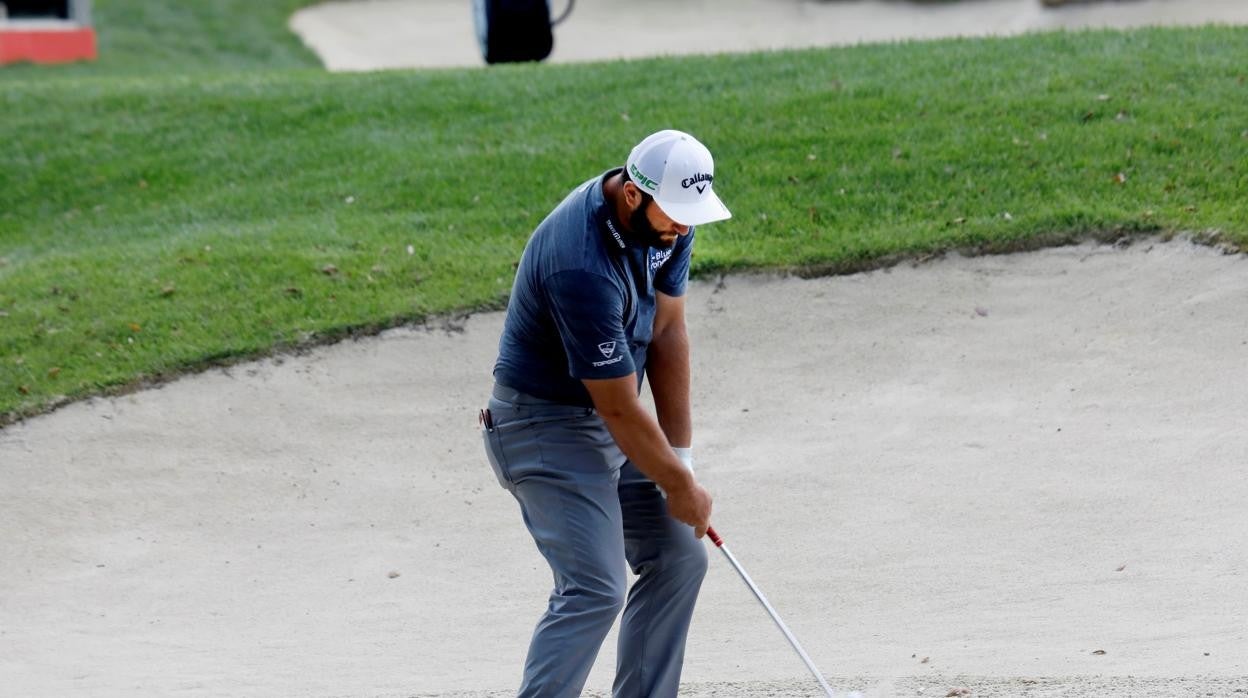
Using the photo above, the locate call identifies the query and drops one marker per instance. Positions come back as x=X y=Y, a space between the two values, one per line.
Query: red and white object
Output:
x=53 y=39
x=719 y=543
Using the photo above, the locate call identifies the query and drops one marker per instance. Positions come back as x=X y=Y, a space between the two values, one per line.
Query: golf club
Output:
x=719 y=543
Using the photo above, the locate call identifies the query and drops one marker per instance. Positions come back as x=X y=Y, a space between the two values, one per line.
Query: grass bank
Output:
x=150 y=225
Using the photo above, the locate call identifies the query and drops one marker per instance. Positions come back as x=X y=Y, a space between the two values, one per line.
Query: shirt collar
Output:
x=608 y=225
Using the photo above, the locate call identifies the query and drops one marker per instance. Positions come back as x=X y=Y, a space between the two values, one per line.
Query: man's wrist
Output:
x=685 y=455
x=683 y=480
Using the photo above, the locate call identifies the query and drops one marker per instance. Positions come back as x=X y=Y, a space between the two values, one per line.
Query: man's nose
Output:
x=681 y=229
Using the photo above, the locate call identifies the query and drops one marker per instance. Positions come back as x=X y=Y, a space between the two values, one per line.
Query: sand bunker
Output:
x=998 y=465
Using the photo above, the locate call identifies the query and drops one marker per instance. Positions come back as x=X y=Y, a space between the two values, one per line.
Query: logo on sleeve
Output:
x=659 y=258
x=608 y=350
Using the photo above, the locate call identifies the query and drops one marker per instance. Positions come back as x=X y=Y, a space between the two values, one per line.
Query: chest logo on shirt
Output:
x=659 y=258
x=607 y=349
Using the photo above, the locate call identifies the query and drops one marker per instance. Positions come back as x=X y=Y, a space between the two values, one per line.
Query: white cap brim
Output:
x=708 y=210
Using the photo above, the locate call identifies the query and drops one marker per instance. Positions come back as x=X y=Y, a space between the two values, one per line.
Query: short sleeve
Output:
x=588 y=310
x=673 y=276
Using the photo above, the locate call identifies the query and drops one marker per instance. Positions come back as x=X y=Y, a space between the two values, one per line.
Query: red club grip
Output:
x=719 y=542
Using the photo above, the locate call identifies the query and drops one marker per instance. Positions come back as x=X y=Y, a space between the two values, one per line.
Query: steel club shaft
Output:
x=719 y=543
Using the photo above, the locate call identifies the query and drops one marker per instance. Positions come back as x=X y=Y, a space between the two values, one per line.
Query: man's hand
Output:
x=692 y=506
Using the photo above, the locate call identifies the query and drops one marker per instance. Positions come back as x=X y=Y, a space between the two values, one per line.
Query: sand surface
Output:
x=968 y=472
x=352 y=35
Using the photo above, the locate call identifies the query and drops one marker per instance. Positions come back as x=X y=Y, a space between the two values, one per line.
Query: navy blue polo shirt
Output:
x=583 y=302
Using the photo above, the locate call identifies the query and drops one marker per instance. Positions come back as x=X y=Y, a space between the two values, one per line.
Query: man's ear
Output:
x=632 y=195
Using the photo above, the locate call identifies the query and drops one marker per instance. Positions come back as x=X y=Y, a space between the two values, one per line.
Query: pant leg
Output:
x=671 y=564
x=562 y=466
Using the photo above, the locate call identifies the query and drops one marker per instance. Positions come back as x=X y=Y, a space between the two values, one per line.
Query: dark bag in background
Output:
x=512 y=31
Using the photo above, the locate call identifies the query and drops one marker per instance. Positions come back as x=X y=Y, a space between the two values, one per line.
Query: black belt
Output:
x=506 y=394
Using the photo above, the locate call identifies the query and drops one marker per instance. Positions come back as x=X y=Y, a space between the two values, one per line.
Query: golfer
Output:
x=598 y=306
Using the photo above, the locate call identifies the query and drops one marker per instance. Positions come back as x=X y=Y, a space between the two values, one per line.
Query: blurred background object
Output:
x=353 y=35
x=46 y=31
x=512 y=31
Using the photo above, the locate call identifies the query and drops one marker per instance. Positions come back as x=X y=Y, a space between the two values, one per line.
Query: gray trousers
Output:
x=589 y=510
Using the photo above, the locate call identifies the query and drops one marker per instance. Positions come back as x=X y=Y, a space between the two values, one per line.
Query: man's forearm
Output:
x=668 y=373
x=641 y=439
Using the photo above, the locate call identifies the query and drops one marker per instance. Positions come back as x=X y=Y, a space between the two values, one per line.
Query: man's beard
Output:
x=643 y=232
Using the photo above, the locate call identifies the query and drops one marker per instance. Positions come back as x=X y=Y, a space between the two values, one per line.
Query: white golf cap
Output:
x=678 y=172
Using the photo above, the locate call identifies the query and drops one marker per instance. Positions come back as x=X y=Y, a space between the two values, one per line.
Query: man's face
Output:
x=652 y=227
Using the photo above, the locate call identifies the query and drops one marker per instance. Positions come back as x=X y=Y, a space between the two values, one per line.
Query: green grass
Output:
x=150 y=225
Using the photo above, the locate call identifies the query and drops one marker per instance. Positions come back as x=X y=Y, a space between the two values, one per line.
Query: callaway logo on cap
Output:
x=678 y=172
